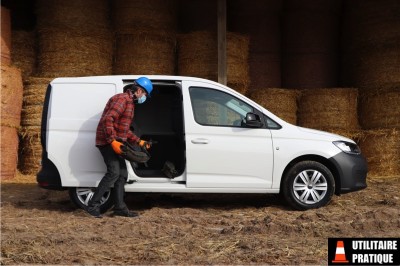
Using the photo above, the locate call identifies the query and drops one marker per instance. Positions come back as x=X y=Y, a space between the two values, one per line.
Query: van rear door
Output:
x=221 y=152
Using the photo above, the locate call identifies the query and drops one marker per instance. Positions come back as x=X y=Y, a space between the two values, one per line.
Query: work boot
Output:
x=125 y=213
x=94 y=211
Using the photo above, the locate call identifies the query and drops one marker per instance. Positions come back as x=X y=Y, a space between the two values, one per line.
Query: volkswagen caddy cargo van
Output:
x=217 y=140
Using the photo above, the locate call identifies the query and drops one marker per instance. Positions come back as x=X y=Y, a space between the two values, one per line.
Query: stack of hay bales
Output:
x=370 y=47
x=11 y=102
x=75 y=38
x=145 y=36
x=310 y=40
x=260 y=20
x=281 y=102
x=198 y=56
x=330 y=109
x=31 y=149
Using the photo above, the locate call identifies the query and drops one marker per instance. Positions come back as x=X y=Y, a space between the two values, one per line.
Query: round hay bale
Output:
x=34 y=94
x=11 y=96
x=380 y=109
x=327 y=109
x=157 y=15
x=382 y=150
x=74 y=53
x=5 y=36
x=88 y=15
x=145 y=53
x=30 y=150
x=281 y=102
x=197 y=15
x=313 y=70
x=9 y=152
x=24 y=51
x=373 y=67
x=198 y=56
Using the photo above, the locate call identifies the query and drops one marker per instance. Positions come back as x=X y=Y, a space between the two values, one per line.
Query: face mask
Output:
x=141 y=99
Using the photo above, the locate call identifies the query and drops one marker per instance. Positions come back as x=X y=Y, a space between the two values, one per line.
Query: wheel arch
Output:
x=320 y=159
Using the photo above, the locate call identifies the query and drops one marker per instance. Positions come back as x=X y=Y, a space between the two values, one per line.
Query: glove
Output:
x=116 y=145
x=145 y=144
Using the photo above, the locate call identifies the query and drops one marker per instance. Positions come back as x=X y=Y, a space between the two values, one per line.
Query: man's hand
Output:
x=116 y=145
x=145 y=144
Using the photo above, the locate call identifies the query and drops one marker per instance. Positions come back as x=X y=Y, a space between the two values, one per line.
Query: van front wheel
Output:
x=308 y=185
x=80 y=196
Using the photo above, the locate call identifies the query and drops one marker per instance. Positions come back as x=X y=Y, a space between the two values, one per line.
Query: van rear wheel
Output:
x=81 y=196
x=308 y=185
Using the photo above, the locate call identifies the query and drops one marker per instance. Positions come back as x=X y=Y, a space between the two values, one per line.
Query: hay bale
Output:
x=30 y=150
x=380 y=109
x=34 y=94
x=382 y=150
x=152 y=15
x=67 y=53
x=327 y=109
x=281 y=102
x=144 y=52
x=372 y=67
x=11 y=96
x=310 y=70
x=198 y=56
x=5 y=36
x=9 y=152
x=24 y=51
x=73 y=15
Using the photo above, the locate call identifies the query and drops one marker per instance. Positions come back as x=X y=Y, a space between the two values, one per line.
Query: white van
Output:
x=218 y=140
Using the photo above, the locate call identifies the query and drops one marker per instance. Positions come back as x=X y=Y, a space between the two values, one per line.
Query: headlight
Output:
x=347 y=147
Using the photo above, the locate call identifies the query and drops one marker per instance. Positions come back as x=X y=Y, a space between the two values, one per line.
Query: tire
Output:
x=80 y=196
x=308 y=185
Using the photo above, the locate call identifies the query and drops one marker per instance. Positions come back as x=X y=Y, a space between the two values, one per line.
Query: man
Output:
x=112 y=130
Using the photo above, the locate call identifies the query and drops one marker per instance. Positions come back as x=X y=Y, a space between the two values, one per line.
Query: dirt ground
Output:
x=44 y=227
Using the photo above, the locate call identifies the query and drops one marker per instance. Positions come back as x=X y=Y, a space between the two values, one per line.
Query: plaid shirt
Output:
x=116 y=120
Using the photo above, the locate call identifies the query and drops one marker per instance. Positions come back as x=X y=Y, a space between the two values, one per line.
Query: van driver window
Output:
x=216 y=108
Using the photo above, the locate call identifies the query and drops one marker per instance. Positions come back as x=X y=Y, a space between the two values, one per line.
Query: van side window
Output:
x=217 y=108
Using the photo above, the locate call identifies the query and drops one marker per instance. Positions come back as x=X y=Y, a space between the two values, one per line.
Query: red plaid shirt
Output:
x=116 y=120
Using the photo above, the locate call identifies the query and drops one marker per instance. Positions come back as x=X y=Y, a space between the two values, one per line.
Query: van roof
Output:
x=119 y=78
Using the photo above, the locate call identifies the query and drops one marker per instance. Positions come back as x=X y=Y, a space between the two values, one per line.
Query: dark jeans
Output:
x=116 y=176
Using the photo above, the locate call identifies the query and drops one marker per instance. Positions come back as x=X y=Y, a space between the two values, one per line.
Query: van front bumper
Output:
x=352 y=170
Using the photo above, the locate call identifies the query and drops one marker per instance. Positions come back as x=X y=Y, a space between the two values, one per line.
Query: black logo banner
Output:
x=363 y=251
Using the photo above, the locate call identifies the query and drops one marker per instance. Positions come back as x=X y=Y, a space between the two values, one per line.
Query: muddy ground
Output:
x=44 y=227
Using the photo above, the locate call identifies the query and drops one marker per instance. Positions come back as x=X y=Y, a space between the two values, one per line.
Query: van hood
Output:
x=324 y=134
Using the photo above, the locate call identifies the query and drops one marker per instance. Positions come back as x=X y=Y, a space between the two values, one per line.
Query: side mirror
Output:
x=253 y=120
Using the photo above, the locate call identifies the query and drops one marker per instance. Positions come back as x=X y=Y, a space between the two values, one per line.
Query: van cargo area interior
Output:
x=160 y=119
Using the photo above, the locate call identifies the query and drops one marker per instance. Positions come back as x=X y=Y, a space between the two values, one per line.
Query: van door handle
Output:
x=200 y=141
